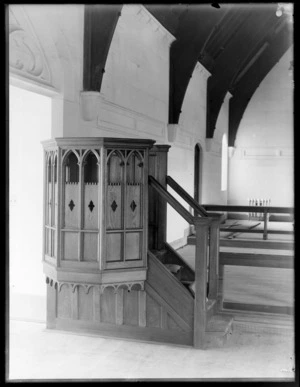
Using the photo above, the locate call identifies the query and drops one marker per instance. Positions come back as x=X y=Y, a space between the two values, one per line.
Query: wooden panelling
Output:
x=96 y=303
x=114 y=250
x=126 y=331
x=55 y=201
x=115 y=169
x=133 y=205
x=51 y=306
x=119 y=306
x=171 y=324
x=85 y=304
x=71 y=201
x=91 y=209
x=165 y=307
x=70 y=246
x=90 y=246
x=48 y=242
x=64 y=302
x=170 y=289
x=153 y=313
x=114 y=207
x=133 y=242
x=134 y=169
x=142 y=308
x=49 y=204
x=108 y=306
x=131 y=307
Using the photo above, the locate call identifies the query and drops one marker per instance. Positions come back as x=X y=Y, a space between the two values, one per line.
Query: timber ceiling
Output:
x=237 y=43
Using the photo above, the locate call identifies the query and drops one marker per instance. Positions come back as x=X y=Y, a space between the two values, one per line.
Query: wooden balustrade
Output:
x=170 y=199
x=207 y=229
x=266 y=210
x=189 y=199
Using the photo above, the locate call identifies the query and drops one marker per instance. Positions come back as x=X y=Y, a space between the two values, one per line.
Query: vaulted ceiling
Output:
x=237 y=43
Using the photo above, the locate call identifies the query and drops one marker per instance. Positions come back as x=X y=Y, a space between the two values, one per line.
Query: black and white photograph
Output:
x=150 y=210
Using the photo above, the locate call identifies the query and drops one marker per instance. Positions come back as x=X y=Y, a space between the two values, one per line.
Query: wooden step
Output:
x=249 y=243
x=247 y=307
x=259 y=244
x=261 y=322
x=258 y=260
x=219 y=328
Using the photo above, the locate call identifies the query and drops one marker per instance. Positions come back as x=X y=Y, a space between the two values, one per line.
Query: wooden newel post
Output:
x=265 y=235
x=214 y=256
x=201 y=228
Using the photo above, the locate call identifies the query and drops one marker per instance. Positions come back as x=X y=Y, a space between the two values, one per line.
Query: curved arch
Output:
x=66 y=155
x=116 y=152
x=90 y=164
x=86 y=153
x=133 y=152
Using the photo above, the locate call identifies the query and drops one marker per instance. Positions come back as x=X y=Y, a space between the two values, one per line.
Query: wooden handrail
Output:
x=189 y=199
x=171 y=200
x=236 y=208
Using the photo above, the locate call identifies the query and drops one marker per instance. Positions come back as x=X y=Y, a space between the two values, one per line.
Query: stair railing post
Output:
x=201 y=228
x=214 y=244
x=265 y=235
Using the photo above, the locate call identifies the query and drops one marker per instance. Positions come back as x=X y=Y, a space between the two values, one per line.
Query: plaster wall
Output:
x=262 y=165
x=29 y=124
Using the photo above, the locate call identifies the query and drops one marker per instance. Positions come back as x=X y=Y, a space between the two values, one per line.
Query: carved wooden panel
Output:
x=153 y=313
x=108 y=306
x=133 y=205
x=131 y=308
x=85 y=304
x=49 y=204
x=64 y=302
x=72 y=205
x=115 y=168
x=134 y=167
x=55 y=203
x=48 y=245
x=114 y=247
x=70 y=246
x=90 y=246
x=54 y=243
x=133 y=246
x=171 y=324
x=114 y=207
x=90 y=205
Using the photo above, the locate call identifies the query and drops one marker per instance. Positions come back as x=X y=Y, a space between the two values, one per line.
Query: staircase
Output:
x=218 y=326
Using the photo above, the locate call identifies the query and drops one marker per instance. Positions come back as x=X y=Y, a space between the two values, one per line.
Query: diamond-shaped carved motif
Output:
x=133 y=205
x=91 y=206
x=114 y=206
x=71 y=205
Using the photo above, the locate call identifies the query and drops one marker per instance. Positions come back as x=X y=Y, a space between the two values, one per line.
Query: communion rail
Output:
x=207 y=231
x=266 y=211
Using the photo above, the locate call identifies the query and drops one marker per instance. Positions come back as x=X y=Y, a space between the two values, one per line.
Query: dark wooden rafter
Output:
x=229 y=42
x=99 y=25
x=235 y=43
x=235 y=55
x=185 y=52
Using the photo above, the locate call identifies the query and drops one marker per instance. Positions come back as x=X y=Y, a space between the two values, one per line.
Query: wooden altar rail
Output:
x=207 y=231
x=252 y=209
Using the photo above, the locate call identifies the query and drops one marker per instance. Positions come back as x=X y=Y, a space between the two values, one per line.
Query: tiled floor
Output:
x=37 y=353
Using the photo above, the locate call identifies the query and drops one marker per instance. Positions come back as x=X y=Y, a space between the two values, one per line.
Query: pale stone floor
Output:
x=37 y=353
